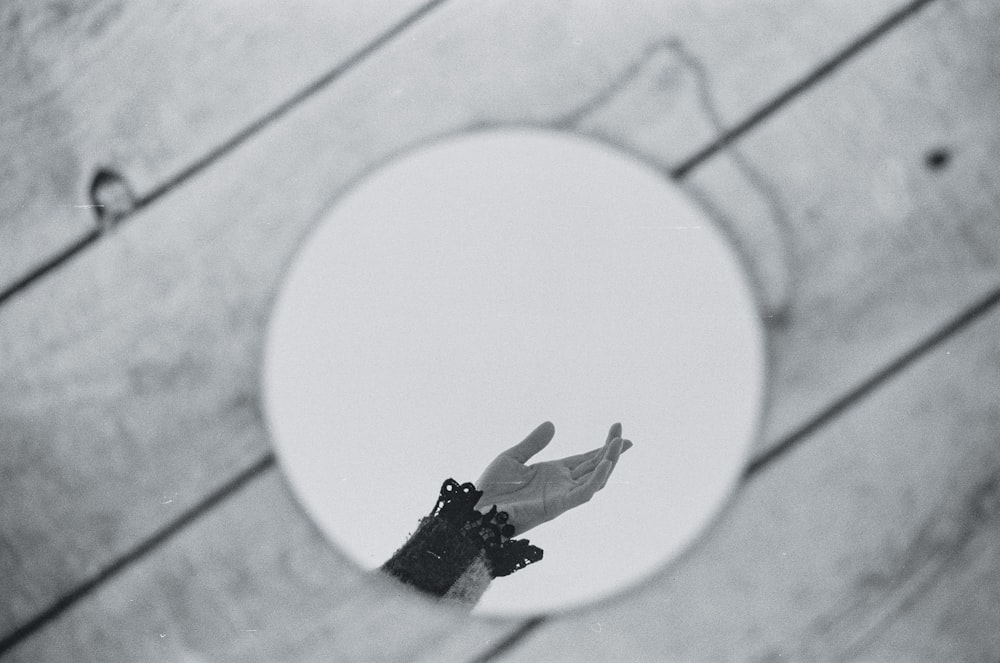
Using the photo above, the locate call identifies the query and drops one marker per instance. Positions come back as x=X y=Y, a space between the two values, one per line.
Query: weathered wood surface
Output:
x=963 y=207
x=877 y=539
x=924 y=243
x=957 y=616
x=147 y=88
x=882 y=249
x=130 y=375
x=253 y=580
x=870 y=531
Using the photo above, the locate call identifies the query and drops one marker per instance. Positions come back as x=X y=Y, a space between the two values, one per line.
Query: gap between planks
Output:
x=225 y=147
x=796 y=437
x=87 y=587
x=268 y=461
x=727 y=137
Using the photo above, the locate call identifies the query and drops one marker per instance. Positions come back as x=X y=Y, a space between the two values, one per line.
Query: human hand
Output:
x=534 y=494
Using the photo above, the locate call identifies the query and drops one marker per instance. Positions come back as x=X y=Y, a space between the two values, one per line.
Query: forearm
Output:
x=456 y=551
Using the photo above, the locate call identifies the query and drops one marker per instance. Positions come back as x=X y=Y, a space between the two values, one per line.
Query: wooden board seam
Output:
x=136 y=554
x=219 y=151
x=803 y=85
x=887 y=372
x=829 y=413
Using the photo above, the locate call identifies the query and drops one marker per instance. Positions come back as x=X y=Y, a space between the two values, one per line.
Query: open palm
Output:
x=533 y=494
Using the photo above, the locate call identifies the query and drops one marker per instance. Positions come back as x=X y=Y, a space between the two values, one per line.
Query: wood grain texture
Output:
x=130 y=376
x=822 y=551
x=880 y=249
x=957 y=617
x=253 y=581
x=146 y=88
x=882 y=524
x=895 y=248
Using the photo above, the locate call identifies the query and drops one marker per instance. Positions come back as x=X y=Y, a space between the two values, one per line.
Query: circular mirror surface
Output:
x=464 y=293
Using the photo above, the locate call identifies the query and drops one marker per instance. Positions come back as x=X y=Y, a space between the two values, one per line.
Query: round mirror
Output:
x=464 y=293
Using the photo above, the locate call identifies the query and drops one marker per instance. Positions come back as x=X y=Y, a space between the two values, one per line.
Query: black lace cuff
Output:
x=453 y=536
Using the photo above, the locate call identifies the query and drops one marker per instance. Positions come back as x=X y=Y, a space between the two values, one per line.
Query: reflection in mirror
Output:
x=465 y=293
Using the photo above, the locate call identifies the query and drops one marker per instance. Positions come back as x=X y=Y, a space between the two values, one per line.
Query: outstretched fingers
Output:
x=574 y=462
x=616 y=431
x=592 y=457
x=597 y=479
x=583 y=492
x=596 y=456
x=537 y=440
x=615 y=450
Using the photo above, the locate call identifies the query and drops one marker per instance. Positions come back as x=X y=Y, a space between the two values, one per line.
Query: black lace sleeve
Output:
x=455 y=535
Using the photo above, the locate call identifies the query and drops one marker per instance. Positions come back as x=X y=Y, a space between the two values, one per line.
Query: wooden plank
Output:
x=831 y=553
x=130 y=376
x=957 y=617
x=252 y=583
x=819 y=552
x=898 y=247
x=881 y=248
x=146 y=88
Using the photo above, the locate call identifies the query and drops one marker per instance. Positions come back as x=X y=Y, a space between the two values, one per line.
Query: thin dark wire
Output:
x=796 y=89
x=970 y=315
x=268 y=461
x=724 y=140
x=130 y=558
x=680 y=171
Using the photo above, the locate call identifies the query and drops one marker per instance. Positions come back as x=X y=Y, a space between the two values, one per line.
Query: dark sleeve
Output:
x=456 y=539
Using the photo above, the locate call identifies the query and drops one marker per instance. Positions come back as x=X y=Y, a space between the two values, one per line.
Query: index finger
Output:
x=537 y=440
